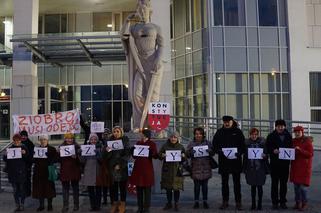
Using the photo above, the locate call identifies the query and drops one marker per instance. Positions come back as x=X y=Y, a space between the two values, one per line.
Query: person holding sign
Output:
x=255 y=166
x=229 y=143
x=172 y=153
x=143 y=171
x=118 y=153
x=104 y=138
x=301 y=167
x=42 y=187
x=279 y=138
x=29 y=144
x=94 y=176
x=200 y=151
x=17 y=160
x=70 y=170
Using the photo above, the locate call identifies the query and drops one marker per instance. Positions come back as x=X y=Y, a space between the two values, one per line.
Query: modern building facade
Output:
x=252 y=59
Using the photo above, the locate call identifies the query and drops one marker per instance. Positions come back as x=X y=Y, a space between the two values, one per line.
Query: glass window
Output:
x=189 y=86
x=188 y=43
x=102 y=93
x=269 y=36
x=285 y=82
x=234 y=14
x=180 y=46
x=255 y=106
x=63 y=76
x=102 y=21
x=117 y=114
x=189 y=65
x=268 y=13
x=316 y=115
x=236 y=83
x=254 y=82
x=269 y=59
x=283 y=37
x=200 y=105
x=286 y=107
x=282 y=12
x=117 y=72
x=220 y=82
x=218 y=13
x=199 y=84
x=8 y=75
x=70 y=75
x=41 y=93
x=55 y=94
x=85 y=93
x=284 y=59
x=253 y=59
x=40 y=75
x=86 y=110
x=125 y=92
x=179 y=17
x=102 y=111
x=235 y=36
x=52 y=23
x=180 y=92
x=197 y=62
x=197 y=40
x=63 y=23
x=251 y=12
x=70 y=93
x=180 y=67
x=179 y=106
x=269 y=107
x=117 y=93
x=102 y=75
x=236 y=59
x=315 y=89
x=82 y=75
x=217 y=36
x=52 y=75
x=252 y=36
x=197 y=14
x=270 y=82
x=187 y=15
x=218 y=59
x=2 y=27
x=117 y=22
x=127 y=114
x=220 y=105
x=237 y=106
x=171 y=21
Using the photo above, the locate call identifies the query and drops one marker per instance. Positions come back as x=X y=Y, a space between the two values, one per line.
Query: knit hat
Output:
x=227 y=118
x=69 y=135
x=16 y=137
x=43 y=137
x=107 y=131
x=147 y=133
x=175 y=134
x=24 y=133
x=298 y=128
x=93 y=135
x=280 y=122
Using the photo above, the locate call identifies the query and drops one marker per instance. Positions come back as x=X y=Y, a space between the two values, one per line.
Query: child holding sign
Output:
x=172 y=153
x=70 y=170
x=143 y=171
x=200 y=150
x=118 y=154
x=42 y=187
x=255 y=166
x=17 y=159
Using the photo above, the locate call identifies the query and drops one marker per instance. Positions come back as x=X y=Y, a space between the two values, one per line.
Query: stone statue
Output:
x=143 y=44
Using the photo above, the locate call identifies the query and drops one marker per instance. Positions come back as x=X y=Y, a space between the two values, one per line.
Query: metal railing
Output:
x=6 y=145
x=185 y=126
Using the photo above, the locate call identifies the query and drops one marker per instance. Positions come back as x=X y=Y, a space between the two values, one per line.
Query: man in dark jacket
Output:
x=279 y=138
x=230 y=136
x=30 y=146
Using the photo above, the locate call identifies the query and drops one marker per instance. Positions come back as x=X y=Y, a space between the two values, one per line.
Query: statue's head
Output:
x=144 y=10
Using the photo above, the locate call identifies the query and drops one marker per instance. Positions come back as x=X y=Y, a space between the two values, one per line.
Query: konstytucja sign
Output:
x=49 y=124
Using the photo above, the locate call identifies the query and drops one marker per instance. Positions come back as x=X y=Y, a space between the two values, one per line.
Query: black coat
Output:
x=229 y=138
x=273 y=141
x=30 y=146
x=17 y=168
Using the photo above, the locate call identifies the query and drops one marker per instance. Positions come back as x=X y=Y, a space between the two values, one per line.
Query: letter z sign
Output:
x=141 y=151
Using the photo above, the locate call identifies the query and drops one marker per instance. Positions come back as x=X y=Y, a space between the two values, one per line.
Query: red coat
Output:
x=143 y=171
x=301 y=167
x=70 y=168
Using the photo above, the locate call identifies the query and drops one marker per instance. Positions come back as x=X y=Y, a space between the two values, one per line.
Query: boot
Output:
x=49 y=208
x=304 y=206
x=167 y=206
x=64 y=209
x=205 y=205
x=297 y=205
x=114 y=207
x=259 y=204
x=41 y=205
x=253 y=206
x=176 y=207
x=238 y=206
x=17 y=209
x=122 y=207
x=224 y=205
x=196 y=205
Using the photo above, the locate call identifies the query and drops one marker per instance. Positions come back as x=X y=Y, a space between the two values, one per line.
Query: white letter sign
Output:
x=97 y=127
x=200 y=151
x=66 y=151
x=229 y=152
x=286 y=154
x=14 y=153
x=141 y=151
x=255 y=153
x=88 y=150
x=40 y=152
x=115 y=145
x=173 y=156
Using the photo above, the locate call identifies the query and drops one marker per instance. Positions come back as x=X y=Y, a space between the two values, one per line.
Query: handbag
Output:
x=213 y=163
x=52 y=173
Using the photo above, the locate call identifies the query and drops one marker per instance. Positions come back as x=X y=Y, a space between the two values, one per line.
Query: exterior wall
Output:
x=305 y=52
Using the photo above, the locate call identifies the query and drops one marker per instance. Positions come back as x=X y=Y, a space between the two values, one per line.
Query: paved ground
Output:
x=158 y=200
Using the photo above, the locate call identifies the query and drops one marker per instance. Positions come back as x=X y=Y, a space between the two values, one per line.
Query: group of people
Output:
x=108 y=167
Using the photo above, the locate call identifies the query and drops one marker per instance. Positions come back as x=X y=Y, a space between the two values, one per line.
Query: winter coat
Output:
x=17 y=168
x=229 y=138
x=94 y=172
x=119 y=157
x=255 y=169
x=143 y=170
x=273 y=141
x=301 y=167
x=201 y=167
x=30 y=146
x=70 y=167
x=171 y=179
x=42 y=187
